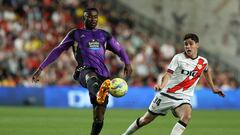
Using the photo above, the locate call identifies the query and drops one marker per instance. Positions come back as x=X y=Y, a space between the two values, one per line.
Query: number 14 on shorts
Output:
x=157 y=101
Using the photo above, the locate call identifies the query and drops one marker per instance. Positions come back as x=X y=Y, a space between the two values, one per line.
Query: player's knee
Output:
x=186 y=118
x=92 y=81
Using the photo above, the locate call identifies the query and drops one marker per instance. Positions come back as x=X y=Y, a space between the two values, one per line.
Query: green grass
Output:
x=42 y=121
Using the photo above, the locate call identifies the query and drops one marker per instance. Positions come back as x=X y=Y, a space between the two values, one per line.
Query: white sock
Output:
x=178 y=128
x=132 y=128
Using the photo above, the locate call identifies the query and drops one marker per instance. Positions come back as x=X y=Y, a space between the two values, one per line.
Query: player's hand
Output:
x=36 y=75
x=219 y=92
x=158 y=87
x=128 y=70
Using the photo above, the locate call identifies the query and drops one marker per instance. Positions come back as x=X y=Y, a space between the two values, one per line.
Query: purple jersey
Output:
x=91 y=47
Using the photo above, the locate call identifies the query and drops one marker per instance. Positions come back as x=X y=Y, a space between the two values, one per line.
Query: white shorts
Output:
x=163 y=102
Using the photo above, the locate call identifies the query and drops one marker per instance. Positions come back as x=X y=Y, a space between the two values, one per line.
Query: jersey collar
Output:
x=190 y=57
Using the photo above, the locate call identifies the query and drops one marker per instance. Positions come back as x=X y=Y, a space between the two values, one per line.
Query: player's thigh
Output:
x=184 y=110
x=160 y=105
x=86 y=74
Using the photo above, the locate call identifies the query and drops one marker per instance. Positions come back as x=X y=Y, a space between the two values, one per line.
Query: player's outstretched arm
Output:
x=127 y=70
x=208 y=77
x=114 y=46
x=164 y=81
x=36 y=75
x=54 y=54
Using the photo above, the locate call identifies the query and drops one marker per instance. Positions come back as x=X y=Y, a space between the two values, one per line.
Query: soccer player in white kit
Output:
x=177 y=87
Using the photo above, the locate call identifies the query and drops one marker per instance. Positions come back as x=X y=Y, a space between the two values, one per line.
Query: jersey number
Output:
x=157 y=101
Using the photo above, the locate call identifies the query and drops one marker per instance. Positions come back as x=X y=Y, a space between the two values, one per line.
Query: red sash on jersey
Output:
x=189 y=82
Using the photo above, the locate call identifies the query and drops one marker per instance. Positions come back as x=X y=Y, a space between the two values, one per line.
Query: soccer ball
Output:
x=119 y=87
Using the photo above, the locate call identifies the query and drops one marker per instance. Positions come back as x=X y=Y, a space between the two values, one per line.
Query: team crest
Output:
x=199 y=66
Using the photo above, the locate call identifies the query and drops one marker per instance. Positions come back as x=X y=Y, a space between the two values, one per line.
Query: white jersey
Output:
x=185 y=75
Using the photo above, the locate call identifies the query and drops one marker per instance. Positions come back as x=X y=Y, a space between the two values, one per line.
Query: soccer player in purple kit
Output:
x=91 y=71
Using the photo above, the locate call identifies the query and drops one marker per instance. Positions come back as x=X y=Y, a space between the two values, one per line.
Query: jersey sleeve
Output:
x=114 y=46
x=206 y=68
x=56 y=52
x=173 y=64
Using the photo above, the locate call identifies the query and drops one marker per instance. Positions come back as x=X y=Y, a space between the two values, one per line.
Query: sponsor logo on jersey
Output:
x=192 y=77
x=94 y=45
x=189 y=73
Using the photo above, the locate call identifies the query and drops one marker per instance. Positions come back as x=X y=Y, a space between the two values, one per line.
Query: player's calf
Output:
x=179 y=128
x=96 y=127
x=185 y=118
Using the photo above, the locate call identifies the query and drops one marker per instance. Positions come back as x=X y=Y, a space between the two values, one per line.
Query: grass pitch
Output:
x=42 y=121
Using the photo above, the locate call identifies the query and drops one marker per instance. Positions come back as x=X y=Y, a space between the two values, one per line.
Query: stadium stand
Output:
x=30 y=29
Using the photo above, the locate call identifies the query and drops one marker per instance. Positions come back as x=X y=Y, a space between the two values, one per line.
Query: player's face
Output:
x=191 y=48
x=91 y=19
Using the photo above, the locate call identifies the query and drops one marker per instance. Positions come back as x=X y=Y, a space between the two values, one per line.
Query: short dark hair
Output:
x=87 y=10
x=192 y=36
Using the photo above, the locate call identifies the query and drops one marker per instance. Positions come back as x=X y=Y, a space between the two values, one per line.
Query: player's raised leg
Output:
x=140 y=122
x=184 y=112
x=92 y=82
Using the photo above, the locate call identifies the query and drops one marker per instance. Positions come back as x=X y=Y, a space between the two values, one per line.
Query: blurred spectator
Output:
x=167 y=50
x=29 y=29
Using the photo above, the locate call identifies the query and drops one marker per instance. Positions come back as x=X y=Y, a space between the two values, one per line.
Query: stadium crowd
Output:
x=30 y=29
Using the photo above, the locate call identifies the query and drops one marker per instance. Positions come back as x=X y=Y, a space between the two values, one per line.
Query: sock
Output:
x=132 y=128
x=92 y=85
x=96 y=128
x=178 y=128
